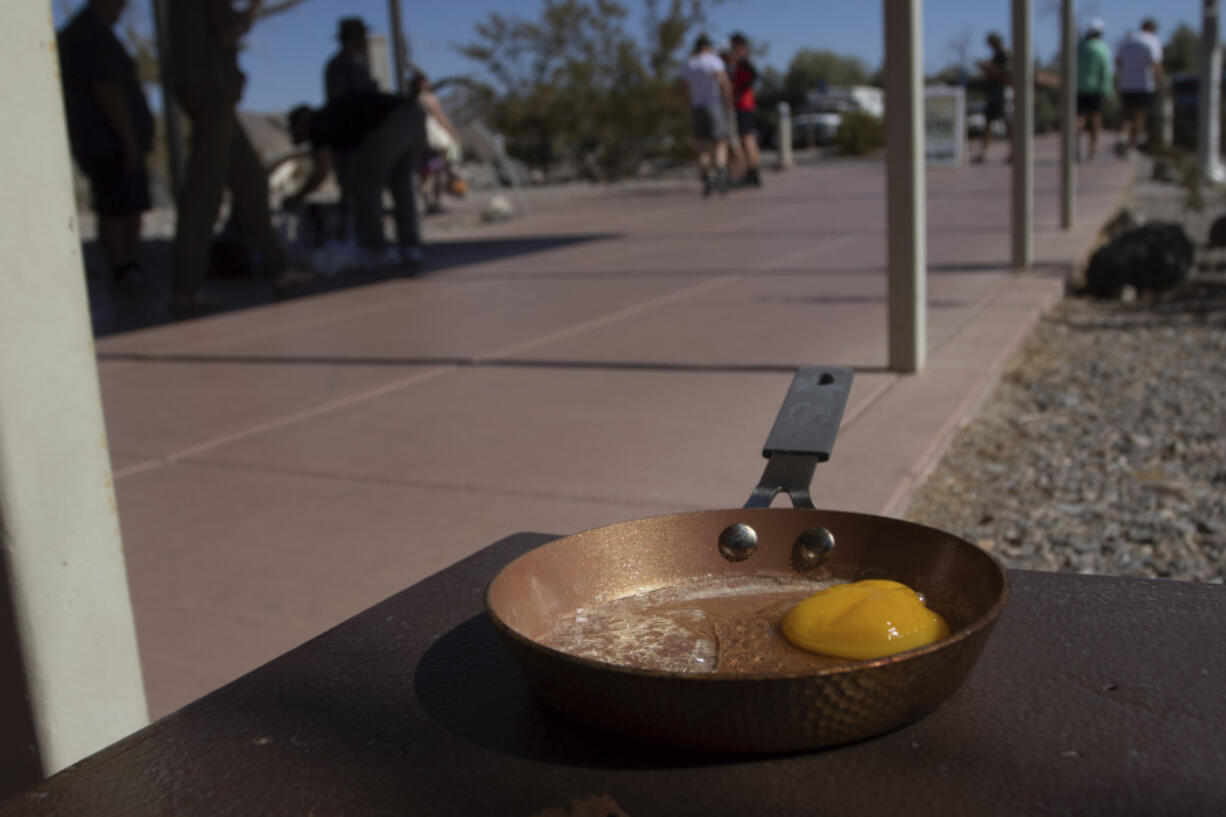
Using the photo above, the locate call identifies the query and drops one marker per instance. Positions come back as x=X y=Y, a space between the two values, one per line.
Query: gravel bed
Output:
x=1103 y=448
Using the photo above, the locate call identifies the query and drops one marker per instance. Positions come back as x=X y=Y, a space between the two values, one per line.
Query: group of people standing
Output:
x=1135 y=72
x=718 y=90
x=374 y=141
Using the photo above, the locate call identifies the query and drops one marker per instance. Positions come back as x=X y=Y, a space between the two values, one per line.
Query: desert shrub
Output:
x=859 y=133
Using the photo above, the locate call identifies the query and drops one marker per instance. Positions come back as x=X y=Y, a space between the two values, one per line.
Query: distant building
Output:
x=379 y=60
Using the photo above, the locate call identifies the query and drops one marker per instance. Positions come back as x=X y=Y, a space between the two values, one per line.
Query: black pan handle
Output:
x=803 y=434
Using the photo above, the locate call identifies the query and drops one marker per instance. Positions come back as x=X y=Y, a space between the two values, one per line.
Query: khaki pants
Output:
x=220 y=158
x=388 y=157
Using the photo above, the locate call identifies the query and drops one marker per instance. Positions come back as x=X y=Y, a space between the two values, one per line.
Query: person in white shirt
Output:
x=1138 y=72
x=705 y=87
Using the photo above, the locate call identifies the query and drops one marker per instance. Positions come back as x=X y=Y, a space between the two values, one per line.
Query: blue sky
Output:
x=285 y=55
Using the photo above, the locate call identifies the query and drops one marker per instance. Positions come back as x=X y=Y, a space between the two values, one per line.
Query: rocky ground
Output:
x=1103 y=448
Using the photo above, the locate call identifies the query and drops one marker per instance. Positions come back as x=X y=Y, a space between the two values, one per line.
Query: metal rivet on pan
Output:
x=738 y=542
x=812 y=548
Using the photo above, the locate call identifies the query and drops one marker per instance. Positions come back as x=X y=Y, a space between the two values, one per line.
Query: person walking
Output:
x=996 y=79
x=1138 y=64
x=205 y=36
x=704 y=86
x=744 y=75
x=385 y=136
x=110 y=131
x=1095 y=83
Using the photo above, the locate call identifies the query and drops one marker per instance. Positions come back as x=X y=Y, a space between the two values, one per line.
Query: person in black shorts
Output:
x=996 y=79
x=1095 y=83
x=743 y=76
x=110 y=130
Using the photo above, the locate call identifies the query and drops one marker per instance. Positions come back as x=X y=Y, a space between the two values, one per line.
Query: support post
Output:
x=785 y=135
x=1068 y=114
x=399 y=52
x=63 y=587
x=1023 y=137
x=905 y=218
x=1208 y=128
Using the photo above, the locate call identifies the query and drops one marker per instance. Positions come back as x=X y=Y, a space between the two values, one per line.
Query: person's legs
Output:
x=1095 y=123
x=212 y=124
x=342 y=162
x=1138 y=128
x=704 y=156
x=113 y=239
x=387 y=155
x=132 y=225
x=749 y=141
x=119 y=198
x=745 y=125
x=702 y=128
x=404 y=200
x=367 y=198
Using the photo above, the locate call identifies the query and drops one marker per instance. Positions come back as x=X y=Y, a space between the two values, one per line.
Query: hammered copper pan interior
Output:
x=740 y=710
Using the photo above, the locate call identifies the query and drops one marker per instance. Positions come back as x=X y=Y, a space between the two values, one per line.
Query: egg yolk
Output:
x=861 y=620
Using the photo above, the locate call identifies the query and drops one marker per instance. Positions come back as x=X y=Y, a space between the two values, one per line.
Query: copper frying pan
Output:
x=758 y=694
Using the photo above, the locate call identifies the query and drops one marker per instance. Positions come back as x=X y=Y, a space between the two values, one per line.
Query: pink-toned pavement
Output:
x=282 y=468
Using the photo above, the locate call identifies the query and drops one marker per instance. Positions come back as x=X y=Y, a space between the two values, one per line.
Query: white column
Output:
x=1208 y=130
x=904 y=162
x=65 y=571
x=785 y=135
x=1068 y=113
x=1023 y=137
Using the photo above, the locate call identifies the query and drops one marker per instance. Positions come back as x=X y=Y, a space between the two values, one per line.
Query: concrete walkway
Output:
x=616 y=353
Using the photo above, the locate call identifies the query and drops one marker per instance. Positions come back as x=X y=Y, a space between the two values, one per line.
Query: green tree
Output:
x=1182 y=51
x=575 y=86
x=809 y=68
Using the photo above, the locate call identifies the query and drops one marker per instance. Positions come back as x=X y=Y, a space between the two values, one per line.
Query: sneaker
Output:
x=752 y=177
x=371 y=258
x=411 y=256
x=721 y=181
x=194 y=305
x=129 y=276
x=291 y=281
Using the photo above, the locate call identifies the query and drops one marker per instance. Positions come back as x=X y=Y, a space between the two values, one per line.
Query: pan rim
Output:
x=982 y=622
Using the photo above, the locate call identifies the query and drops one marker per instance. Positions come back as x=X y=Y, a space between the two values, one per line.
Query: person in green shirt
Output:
x=1095 y=83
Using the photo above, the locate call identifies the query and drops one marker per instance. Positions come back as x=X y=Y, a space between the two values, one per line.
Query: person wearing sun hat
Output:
x=348 y=71
x=1095 y=83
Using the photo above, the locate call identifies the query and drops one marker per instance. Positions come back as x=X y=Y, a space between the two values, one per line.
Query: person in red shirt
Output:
x=744 y=75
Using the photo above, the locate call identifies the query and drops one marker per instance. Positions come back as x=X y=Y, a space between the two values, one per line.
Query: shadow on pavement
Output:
x=114 y=310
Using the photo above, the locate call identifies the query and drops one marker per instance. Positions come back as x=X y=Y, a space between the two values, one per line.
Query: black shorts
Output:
x=994 y=109
x=1137 y=101
x=708 y=123
x=116 y=192
x=1089 y=103
x=746 y=122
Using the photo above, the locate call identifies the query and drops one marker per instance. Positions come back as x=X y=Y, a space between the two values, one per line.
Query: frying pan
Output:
x=746 y=705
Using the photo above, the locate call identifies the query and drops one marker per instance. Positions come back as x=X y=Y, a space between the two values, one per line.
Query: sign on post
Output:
x=944 y=124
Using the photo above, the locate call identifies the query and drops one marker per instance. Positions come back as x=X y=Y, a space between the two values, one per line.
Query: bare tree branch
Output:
x=276 y=8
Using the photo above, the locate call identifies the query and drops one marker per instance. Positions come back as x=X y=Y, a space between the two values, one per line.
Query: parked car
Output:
x=815 y=127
